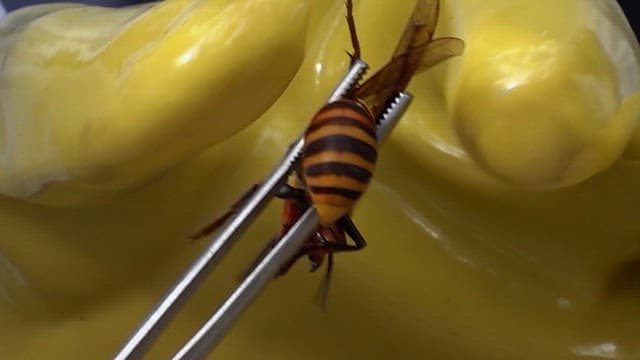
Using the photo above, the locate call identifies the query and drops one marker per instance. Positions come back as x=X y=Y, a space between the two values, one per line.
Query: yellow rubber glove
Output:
x=123 y=95
x=464 y=260
x=554 y=98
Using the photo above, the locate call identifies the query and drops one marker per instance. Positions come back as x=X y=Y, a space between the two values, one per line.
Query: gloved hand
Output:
x=123 y=128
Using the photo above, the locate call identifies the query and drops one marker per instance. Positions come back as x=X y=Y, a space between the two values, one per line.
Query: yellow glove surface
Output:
x=502 y=220
x=97 y=99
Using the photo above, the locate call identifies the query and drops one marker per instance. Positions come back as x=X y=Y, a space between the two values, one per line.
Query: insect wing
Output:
x=420 y=28
x=379 y=82
x=439 y=50
x=434 y=52
x=406 y=58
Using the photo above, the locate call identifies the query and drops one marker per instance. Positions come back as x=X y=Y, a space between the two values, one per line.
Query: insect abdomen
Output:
x=339 y=157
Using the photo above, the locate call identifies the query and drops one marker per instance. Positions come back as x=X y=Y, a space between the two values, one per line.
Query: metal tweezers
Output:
x=198 y=346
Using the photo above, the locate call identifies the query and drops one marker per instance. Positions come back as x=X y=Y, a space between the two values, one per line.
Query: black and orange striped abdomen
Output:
x=339 y=157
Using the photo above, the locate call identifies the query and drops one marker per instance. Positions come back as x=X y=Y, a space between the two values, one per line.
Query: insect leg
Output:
x=352 y=31
x=232 y=210
x=350 y=229
x=270 y=245
x=287 y=191
x=331 y=246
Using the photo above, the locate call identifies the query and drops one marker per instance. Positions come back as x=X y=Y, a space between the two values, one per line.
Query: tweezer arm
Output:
x=149 y=330
x=219 y=323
